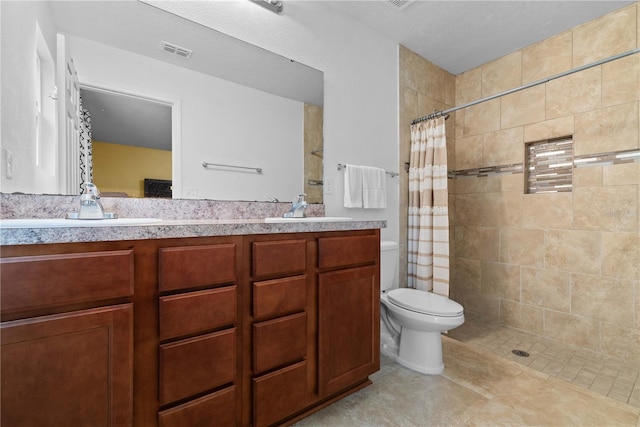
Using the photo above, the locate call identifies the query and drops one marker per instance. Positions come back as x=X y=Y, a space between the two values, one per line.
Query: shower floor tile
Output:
x=477 y=388
x=613 y=377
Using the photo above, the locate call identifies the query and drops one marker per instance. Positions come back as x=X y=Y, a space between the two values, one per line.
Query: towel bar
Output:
x=391 y=174
x=206 y=164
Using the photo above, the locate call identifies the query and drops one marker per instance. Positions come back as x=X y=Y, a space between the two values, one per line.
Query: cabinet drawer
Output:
x=55 y=280
x=279 y=257
x=274 y=297
x=192 y=266
x=197 y=311
x=349 y=250
x=279 y=394
x=196 y=365
x=214 y=409
x=279 y=341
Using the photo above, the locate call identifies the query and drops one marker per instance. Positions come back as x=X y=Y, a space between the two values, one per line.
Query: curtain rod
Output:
x=526 y=86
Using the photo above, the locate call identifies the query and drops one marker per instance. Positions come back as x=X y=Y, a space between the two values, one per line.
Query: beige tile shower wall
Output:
x=424 y=88
x=313 y=145
x=565 y=266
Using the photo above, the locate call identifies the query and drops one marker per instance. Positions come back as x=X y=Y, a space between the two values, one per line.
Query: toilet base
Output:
x=421 y=351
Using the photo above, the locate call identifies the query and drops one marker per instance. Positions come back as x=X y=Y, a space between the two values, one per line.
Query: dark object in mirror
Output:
x=157 y=188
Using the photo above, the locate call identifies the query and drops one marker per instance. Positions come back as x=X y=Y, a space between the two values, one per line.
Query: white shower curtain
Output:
x=428 y=234
x=86 y=148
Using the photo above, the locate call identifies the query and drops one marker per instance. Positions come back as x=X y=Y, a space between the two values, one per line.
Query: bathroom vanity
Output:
x=259 y=324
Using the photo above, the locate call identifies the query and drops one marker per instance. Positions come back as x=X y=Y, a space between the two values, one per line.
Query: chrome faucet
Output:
x=90 y=204
x=298 y=207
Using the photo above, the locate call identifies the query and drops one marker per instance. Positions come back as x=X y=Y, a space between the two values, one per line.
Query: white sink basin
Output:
x=62 y=222
x=310 y=219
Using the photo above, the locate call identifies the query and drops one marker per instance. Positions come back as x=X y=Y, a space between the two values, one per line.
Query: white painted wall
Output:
x=221 y=122
x=361 y=83
x=18 y=47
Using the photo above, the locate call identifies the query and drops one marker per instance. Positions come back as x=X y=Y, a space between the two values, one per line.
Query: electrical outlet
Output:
x=8 y=164
x=328 y=186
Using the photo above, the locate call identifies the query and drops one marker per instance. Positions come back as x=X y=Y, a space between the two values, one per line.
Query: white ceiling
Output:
x=460 y=35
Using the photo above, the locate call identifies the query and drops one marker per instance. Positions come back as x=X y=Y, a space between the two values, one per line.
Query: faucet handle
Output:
x=92 y=190
x=299 y=198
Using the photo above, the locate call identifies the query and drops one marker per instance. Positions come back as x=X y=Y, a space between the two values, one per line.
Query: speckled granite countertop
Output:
x=180 y=218
x=171 y=229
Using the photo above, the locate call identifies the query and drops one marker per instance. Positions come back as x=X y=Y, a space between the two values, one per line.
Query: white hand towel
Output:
x=374 y=188
x=353 y=186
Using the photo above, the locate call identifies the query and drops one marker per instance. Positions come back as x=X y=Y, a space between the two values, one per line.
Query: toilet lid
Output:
x=424 y=302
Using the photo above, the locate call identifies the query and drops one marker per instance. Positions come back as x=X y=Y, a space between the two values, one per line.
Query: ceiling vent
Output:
x=175 y=49
x=399 y=5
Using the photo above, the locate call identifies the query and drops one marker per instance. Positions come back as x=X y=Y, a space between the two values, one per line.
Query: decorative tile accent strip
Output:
x=604 y=159
x=549 y=166
x=487 y=171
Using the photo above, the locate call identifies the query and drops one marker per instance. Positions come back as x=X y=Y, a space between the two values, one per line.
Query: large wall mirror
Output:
x=165 y=95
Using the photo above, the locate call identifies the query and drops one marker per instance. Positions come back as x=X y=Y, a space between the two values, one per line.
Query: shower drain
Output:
x=520 y=353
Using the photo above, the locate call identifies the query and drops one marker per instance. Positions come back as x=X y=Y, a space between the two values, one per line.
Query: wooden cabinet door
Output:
x=348 y=327
x=72 y=369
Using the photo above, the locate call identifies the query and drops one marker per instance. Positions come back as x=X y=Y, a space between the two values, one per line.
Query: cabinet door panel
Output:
x=279 y=394
x=348 y=327
x=195 y=365
x=279 y=341
x=216 y=409
x=188 y=267
x=274 y=297
x=194 y=312
x=279 y=257
x=348 y=250
x=53 y=280
x=73 y=369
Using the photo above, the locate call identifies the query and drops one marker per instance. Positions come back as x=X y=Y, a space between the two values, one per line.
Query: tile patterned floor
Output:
x=610 y=376
x=480 y=388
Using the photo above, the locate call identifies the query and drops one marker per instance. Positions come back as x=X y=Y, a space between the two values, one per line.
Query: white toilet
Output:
x=416 y=317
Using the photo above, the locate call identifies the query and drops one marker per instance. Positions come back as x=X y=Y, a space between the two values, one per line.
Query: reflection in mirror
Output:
x=131 y=142
x=231 y=102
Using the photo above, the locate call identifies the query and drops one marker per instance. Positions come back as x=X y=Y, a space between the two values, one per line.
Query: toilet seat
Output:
x=424 y=302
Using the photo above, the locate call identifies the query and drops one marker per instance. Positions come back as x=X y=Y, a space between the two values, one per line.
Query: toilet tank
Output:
x=388 y=257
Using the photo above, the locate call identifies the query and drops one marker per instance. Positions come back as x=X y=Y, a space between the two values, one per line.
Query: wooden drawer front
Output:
x=191 y=266
x=196 y=365
x=214 y=409
x=274 y=297
x=54 y=280
x=279 y=394
x=197 y=311
x=350 y=250
x=279 y=341
x=281 y=257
